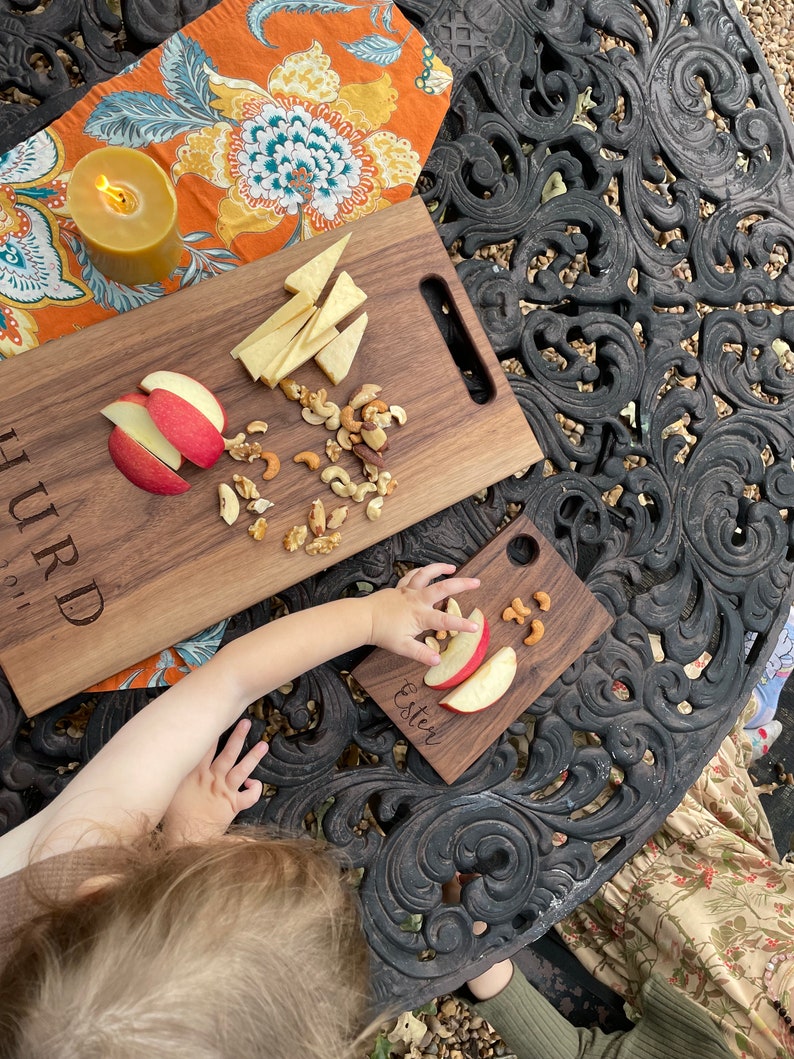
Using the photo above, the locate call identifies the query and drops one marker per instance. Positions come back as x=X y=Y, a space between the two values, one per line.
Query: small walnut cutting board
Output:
x=96 y=574
x=519 y=561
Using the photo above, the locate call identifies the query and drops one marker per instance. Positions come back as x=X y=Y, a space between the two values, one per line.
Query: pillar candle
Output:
x=124 y=206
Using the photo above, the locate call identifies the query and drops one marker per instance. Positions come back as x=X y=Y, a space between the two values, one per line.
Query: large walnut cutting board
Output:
x=96 y=574
x=519 y=561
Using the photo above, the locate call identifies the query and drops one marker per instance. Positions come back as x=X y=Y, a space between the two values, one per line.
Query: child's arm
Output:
x=126 y=788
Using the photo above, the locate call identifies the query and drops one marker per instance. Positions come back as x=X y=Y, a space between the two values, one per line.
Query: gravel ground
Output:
x=446 y=1029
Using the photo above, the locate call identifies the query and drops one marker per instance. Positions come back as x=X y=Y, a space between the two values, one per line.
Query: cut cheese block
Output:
x=344 y=297
x=313 y=276
x=336 y=358
x=260 y=354
x=294 y=307
x=303 y=347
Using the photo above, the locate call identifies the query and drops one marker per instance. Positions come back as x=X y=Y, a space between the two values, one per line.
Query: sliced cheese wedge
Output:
x=294 y=307
x=343 y=298
x=269 y=349
x=336 y=358
x=313 y=276
x=303 y=347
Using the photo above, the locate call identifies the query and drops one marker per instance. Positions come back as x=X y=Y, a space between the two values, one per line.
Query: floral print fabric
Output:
x=706 y=903
x=275 y=121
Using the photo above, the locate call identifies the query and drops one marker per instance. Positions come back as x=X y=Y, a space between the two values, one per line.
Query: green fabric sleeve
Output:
x=673 y=1027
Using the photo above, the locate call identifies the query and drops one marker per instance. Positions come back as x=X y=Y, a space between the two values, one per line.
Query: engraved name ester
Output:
x=78 y=604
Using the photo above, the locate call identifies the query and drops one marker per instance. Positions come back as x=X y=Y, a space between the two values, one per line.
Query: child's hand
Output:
x=399 y=614
x=209 y=798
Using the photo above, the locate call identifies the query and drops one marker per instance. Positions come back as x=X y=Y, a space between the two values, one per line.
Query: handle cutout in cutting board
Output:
x=523 y=550
x=445 y=314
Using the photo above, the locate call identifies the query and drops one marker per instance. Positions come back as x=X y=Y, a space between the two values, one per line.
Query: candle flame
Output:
x=119 y=198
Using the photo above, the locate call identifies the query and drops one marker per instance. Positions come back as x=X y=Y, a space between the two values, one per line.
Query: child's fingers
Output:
x=231 y=750
x=452 y=587
x=249 y=795
x=421 y=576
x=246 y=765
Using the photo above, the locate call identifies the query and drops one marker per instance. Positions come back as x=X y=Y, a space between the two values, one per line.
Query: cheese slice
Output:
x=269 y=349
x=344 y=297
x=336 y=358
x=294 y=307
x=303 y=347
x=313 y=276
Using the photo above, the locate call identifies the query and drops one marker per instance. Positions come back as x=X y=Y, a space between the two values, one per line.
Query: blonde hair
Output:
x=225 y=949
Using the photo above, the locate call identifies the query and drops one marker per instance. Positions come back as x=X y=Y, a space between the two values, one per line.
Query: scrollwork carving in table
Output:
x=641 y=316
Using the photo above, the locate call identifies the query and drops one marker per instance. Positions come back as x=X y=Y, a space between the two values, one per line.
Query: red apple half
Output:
x=142 y=467
x=185 y=427
x=461 y=658
x=190 y=390
x=129 y=412
x=485 y=686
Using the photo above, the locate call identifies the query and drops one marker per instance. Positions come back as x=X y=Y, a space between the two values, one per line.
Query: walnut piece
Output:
x=258 y=529
x=295 y=538
x=324 y=545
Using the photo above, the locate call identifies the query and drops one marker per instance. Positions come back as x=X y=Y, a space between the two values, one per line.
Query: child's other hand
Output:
x=400 y=614
x=209 y=798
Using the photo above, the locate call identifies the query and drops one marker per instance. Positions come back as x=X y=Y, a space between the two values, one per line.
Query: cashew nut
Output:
x=273 y=465
x=343 y=488
x=375 y=508
x=330 y=474
x=361 y=491
x=509 y=614
x=311 y=459
x=343 y=437
x=371 y=409
x=349 y=421
x=383 y=482
x=536 y=632
x=365 y=393
x=399 y=413
x=257 y=426
x=312 y=417
x=519 y=607
x=235 y=442
x=543 y=600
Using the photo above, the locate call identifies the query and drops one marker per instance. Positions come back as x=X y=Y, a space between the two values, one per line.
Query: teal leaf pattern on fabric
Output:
x=261 y=10
x=375 y=48
x=200 y=648
x=137 y=119
x=204 y=261
x=186 y=67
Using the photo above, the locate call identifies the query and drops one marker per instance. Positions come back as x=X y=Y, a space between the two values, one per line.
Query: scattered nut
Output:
x=312 y=417
x=371 y=472
x=333 y=421
x=432 y=642
x=348 y=420
x=246 y=452
x=257 y=426
x=259 y=506
x=536 y=631
x=258 y=529
x=228 y=504
x=360 y=491
x=305 y=396
x=294 y=538
x=316 y=518
x=273 y=465
x=343 y=488
x=337 y=517
x=343 y=439
x=517 y=611
x=324 y=545
x=311 y=459
x=374 y=436
x=368 y=455
x=290 y=388
x=334 y=474
x=399 y=413
x=371 y=409
x=452 y=607
x=374 y=510
x=365 y=393
x=543 y=600
x=320 y=404
x=333 y=450
x=383 y=482
x=245 y=487
x=231 y=443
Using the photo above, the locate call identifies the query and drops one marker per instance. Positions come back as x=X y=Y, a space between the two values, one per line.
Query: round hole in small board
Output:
x=523 y=550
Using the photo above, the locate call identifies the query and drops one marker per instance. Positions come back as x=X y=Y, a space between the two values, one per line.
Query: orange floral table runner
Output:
x=276 y=120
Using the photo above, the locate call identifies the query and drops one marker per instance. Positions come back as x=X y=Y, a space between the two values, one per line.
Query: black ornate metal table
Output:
x=616 y=183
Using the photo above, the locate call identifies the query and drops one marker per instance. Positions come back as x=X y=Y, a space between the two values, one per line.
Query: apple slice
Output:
x=485 y=686
x=190 y=390
x=129 y=413
x=462 y=656
x=185 y=427
x=142 y=467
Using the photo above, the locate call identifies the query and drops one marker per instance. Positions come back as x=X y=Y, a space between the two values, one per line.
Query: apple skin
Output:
x=485 y=686
x=190 y=390
x=185 y=427
x=462 y=657
x=129 y=412
x=142 y=467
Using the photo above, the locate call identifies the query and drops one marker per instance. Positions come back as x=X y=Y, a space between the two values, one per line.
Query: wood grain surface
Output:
x=96 y=574
x=519 y=561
